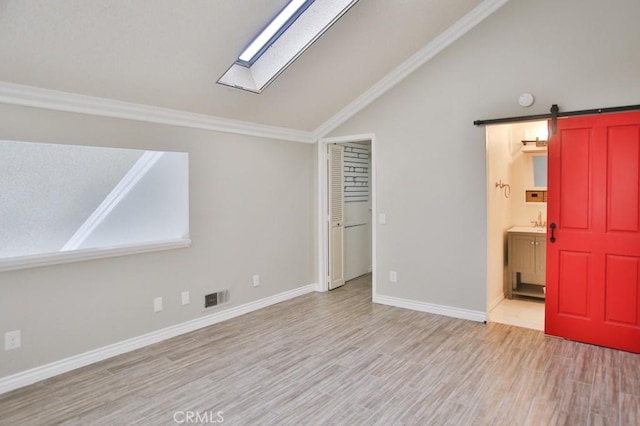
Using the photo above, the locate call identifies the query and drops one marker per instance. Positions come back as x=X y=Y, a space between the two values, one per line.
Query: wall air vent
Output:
x=215 y=299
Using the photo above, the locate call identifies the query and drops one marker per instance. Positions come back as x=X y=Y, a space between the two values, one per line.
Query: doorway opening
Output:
x=516 y=223
x=347 y=235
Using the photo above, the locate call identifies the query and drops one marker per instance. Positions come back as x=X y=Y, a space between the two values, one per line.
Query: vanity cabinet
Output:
x=526 y=260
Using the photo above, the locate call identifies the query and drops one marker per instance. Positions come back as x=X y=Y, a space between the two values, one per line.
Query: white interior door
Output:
x=336 y=215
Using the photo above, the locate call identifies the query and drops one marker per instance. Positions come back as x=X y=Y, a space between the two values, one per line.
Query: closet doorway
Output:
x=346 y=208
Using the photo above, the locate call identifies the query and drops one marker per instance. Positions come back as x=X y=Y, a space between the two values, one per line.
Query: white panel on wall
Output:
x=357 y=251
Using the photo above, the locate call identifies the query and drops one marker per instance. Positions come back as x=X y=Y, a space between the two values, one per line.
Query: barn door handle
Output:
x=553 y=228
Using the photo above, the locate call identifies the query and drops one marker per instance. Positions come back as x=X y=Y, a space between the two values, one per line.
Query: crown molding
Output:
x=16 y=94
x=453 y=33
x=30 y=96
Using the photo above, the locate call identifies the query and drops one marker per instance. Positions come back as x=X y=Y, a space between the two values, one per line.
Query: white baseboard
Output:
x=43 y=372
x=431 y=308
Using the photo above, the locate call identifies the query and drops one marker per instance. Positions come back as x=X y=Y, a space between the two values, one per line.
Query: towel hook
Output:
x=505 y=186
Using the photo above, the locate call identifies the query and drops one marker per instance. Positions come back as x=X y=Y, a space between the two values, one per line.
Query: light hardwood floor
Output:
x=336 y=358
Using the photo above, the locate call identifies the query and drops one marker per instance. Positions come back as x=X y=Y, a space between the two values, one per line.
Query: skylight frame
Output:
x=299 y=35
x=305 y=5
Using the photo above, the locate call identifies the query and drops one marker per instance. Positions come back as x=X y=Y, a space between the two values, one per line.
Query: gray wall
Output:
x=431 y=159
x=252 y=199
x=251 y=212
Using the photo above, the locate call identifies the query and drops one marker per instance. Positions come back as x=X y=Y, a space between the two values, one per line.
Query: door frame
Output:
x=491 y=185
x=322 y=209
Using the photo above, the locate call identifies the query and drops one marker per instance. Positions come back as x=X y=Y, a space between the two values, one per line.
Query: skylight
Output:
x=286 y=37
x=269 y=34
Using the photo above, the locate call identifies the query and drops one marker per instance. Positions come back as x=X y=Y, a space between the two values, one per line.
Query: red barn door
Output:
x=593 y=254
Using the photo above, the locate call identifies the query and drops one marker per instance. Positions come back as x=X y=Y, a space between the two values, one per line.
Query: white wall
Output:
x=155 y=209
x=251 y=212
x=498 y=209
x=431 y=159
x=47 y=192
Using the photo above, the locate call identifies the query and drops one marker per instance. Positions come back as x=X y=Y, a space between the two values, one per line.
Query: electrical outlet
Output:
x=185 y=297
x=157 y=304
x=393 y=276
x=256 y=280
x=12 y=340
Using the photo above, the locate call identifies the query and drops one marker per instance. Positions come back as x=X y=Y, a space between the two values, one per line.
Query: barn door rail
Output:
x=554 y=114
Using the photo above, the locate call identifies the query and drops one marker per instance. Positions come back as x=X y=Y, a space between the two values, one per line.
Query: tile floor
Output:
x=527 y=313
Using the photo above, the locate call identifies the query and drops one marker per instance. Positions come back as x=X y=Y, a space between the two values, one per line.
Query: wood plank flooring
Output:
x=336 y=358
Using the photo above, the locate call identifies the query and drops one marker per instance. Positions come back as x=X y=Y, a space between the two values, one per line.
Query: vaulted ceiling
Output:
x=170 y=53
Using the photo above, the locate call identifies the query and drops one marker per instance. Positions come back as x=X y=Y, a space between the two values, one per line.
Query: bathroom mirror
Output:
x=539 y=171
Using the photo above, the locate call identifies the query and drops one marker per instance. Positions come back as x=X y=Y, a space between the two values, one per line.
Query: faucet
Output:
x=539 y=223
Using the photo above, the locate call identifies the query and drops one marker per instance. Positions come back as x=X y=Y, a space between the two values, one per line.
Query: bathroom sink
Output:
x=528 y=229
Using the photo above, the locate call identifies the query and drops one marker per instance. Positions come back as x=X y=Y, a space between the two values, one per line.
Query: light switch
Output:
x=157 y=304
x=382 y=218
